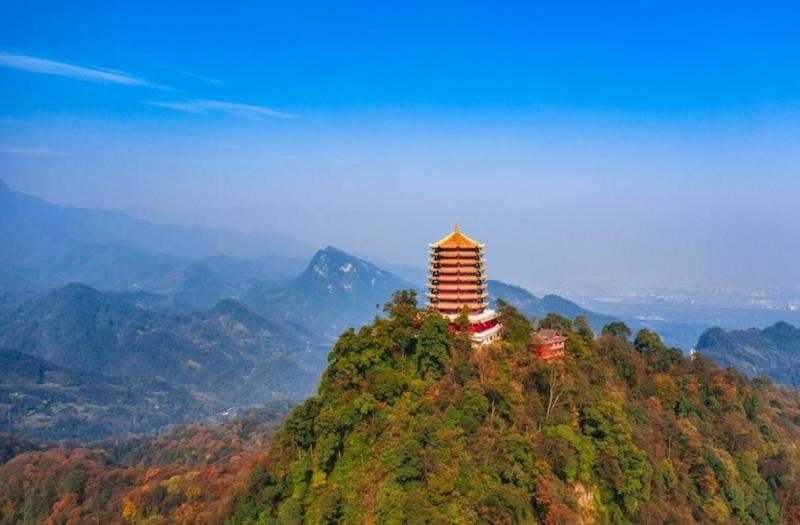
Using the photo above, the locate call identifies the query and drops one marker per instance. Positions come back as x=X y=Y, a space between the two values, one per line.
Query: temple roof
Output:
x=547 y=336
x=457 y=240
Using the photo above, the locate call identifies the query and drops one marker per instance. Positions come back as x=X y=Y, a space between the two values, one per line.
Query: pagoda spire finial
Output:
x=458 y=226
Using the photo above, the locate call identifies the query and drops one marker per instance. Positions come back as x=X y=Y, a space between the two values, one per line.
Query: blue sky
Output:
x=609 y=144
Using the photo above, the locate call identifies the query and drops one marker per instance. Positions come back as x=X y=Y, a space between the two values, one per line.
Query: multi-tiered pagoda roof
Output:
x=457 y=279
x=456 y=275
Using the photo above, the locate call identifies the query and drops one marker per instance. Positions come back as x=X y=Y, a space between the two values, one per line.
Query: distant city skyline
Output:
x=607 y=145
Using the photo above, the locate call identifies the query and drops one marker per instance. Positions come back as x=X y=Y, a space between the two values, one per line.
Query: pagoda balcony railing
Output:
x=464 y=277
x=457 y=260
x=461 y=278
x=461 y=263
x=473 y=294
x=468 y=267
x=468 y=270
x=436 y=298
x=437 y=289
x=464 y=290
x=472 y=297
x=470 y=284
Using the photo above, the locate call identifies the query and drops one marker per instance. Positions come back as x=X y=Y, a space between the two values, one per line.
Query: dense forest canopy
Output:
x=414 y=425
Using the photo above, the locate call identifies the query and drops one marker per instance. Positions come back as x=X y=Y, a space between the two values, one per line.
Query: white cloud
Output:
x=199 y=77
x=51 y=67
x=230 y=108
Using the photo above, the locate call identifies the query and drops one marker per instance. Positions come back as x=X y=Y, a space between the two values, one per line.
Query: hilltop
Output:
x=411 y=425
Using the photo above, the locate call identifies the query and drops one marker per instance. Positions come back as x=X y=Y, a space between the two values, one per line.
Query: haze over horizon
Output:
x=616 y=146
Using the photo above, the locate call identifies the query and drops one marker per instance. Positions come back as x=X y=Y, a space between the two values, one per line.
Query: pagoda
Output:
x=457 y=280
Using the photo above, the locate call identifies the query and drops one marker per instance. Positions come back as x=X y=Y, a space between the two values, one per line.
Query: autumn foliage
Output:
x=619 y=432
x=183 y=477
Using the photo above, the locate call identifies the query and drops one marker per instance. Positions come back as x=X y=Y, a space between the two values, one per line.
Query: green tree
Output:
x=300 y=423
x=659 y=358
x=556 y=322
x=403 y=314
x=386 y=384
x=583 y=329
x=405 y=461
x=648 y=341
x=433 y=346
x=516 y=327
x=462 y=321
x=330 y=506
x=617 y=329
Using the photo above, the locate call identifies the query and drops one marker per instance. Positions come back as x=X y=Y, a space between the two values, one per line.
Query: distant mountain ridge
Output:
x=46 y=401
x=25 y=219
x=228 y=354
x=533 y=306
x=49 y=245
x=773 y=351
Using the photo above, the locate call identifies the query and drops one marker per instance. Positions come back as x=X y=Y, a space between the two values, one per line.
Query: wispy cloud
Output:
x=199 y=77
x=231 y=108
x=51 y=67
x=35 y=151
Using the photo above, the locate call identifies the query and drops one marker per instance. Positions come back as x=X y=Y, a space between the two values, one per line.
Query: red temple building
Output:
x=547 y=343
x=457 y=279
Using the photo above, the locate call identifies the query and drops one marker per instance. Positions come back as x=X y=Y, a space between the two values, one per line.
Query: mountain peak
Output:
x=336 y=290
x=335 y=251
x=334 y=264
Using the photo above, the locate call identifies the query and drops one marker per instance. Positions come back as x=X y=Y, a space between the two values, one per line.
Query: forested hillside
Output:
x=773 y=351
x=86 y=364
x=42 y=400
x=412 y=425
x=184 y=476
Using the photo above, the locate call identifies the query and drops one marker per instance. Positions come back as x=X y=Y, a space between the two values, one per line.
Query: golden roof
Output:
x=457 y=240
